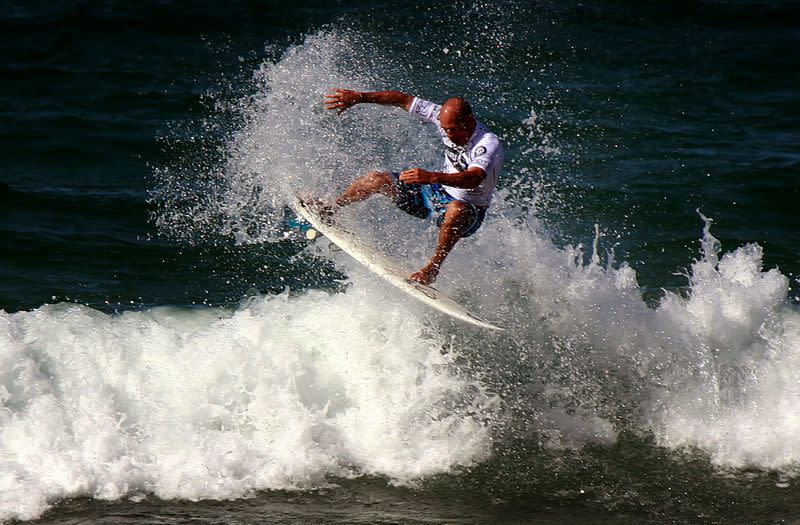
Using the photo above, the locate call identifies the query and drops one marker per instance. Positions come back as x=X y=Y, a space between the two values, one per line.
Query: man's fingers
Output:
x=338 y=101
x=409 y=177
x=337 y=106
x=338 y=95
x=414 y=176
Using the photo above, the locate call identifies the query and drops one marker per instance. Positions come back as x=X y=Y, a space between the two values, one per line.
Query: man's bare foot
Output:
x=426 y=275
x=324 y=209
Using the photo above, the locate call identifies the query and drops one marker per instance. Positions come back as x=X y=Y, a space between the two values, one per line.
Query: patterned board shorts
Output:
x=430 y=201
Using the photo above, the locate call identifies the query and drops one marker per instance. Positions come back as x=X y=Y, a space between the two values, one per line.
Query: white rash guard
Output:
x=482 y=150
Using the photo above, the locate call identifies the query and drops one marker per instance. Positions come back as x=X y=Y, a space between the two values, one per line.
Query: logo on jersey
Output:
x=457 y=157
x=480 y=150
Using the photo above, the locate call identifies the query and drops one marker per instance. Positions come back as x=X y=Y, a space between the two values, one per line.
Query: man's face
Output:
x=457 y=130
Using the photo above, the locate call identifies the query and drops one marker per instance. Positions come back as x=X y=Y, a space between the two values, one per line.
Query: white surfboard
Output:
x=389 y=270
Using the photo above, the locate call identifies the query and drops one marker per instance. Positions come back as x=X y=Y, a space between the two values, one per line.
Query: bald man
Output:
x=458 y=196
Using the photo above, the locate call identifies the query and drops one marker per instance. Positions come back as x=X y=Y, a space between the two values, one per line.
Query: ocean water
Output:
x=171 y=353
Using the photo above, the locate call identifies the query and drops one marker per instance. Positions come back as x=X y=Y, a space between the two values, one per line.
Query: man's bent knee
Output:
x=457 y=216
x=380 y=181
x=379 y=176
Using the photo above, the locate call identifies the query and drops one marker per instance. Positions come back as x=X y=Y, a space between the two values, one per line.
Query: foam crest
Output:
x=711 y=369
x=739 y=364
x=215 y=404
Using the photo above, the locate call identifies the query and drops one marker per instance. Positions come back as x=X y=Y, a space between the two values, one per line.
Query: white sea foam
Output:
x=214 y=404
x=289 y=389
x=715 y=370
x=734 y=390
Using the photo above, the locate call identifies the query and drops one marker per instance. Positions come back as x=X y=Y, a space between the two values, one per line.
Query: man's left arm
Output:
x=467 y=179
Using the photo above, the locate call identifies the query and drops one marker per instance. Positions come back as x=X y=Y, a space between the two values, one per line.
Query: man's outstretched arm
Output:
x=340 y=100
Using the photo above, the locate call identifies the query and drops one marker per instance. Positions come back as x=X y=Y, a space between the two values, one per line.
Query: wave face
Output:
x=286 y=391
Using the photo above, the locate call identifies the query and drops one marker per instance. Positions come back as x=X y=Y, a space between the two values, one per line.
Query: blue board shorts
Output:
x=430 y=200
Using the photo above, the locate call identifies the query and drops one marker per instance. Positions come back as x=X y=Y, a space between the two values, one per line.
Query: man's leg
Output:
x=456 y=220
x=363 y=187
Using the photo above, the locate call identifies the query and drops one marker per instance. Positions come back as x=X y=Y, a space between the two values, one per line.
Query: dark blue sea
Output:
x=172 y=351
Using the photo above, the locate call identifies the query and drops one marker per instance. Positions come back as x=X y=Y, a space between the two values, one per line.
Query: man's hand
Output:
x=416 y=176
x=342 y=99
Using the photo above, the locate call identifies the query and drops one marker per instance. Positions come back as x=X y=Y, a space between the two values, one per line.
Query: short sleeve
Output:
x=425 y=110
x=487 y=154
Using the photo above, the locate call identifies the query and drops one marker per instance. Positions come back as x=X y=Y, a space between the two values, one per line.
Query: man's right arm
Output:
x=342 y=99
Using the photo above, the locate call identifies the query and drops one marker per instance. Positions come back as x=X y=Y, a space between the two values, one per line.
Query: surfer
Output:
x=458 y=196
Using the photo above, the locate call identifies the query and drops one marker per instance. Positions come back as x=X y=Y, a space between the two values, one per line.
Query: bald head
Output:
x=457 y=120
x=458 y=106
